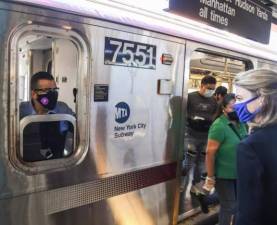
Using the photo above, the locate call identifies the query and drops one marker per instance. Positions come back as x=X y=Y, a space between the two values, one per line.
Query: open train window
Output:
x=49 y=97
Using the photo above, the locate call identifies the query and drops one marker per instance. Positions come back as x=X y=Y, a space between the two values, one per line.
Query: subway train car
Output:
x=125 y=73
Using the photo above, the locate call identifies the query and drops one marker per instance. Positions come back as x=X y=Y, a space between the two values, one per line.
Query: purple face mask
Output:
x=243 y=113
x=48 y=100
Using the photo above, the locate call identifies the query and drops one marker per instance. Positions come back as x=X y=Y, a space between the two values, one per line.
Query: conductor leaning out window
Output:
x=44 y=140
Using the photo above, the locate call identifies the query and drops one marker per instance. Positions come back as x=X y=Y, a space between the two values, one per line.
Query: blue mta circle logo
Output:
x=122 y=112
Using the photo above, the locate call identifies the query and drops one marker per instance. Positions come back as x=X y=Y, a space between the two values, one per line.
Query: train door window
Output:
x=222 y=68
x=51 y=67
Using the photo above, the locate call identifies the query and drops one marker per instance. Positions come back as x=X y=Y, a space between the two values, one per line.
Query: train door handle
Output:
x=75 y=91
x=165 y=87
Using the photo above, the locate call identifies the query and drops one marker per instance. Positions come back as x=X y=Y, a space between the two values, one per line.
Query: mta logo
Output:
x=122 y=112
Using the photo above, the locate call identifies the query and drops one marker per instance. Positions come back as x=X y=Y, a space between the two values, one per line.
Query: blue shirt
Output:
x=26 y=109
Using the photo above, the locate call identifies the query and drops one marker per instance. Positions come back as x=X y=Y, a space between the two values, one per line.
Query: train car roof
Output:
x=162 y=22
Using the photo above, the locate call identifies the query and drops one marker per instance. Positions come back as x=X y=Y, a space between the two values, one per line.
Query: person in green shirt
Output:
x=224 y=135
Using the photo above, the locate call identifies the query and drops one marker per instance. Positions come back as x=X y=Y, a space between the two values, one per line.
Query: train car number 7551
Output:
x=128 y=53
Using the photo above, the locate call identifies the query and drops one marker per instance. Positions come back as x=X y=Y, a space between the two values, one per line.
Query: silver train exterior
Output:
x=121 y=171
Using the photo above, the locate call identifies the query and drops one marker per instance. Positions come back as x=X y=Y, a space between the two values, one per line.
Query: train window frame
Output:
x=82 y=105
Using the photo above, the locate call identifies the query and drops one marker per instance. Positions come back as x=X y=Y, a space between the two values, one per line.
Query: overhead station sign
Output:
x=247 y=18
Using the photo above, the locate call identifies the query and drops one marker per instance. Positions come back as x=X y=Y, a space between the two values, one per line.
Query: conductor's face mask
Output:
x=243 y=112
x=48 y=98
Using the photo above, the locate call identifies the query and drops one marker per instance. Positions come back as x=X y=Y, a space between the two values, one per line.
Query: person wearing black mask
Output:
x=223 y=137
x=44 y=100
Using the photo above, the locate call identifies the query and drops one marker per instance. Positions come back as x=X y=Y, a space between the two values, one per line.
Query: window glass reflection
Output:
x=47 y=140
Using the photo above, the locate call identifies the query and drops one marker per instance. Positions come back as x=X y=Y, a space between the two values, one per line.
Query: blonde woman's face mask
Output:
x=247 y=105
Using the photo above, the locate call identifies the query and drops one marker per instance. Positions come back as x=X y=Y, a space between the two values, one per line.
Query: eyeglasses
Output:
x=41 y=91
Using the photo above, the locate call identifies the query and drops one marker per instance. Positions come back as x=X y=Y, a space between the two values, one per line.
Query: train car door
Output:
x=222 y=64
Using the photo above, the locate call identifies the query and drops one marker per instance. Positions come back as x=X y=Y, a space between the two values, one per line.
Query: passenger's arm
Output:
x=216 y=136
x=212 y=148
x=250 y=187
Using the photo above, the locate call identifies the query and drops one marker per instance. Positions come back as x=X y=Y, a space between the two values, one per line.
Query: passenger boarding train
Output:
x=126 y=74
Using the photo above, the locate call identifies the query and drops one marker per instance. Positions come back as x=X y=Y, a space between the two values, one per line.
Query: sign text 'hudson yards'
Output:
x=246 y=18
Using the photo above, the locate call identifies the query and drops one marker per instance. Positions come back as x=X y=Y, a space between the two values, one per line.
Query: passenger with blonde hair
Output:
x=256 y=93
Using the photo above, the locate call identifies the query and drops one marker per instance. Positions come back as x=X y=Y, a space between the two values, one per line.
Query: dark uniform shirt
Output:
x=201 y=111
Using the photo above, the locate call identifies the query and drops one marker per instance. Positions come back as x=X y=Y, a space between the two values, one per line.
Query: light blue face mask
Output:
x=243 y=113
x=209 y=93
